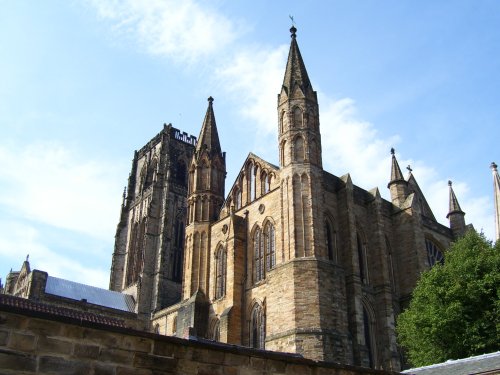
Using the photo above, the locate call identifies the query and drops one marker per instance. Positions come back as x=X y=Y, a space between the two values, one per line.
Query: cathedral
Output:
x=292 y=258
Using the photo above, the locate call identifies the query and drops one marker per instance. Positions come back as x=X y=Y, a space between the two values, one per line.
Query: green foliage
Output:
x=455 y=309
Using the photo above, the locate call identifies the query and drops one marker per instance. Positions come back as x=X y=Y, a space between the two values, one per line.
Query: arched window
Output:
x=363 y=272
x=257 y=328
x=180 y=173
x=251 y=182
x=369 y=337
x=331 y=241
x=299 y=149
x=283 y=155
x=270 y=244
x=220 y=269
x=205 y=176
x=434 y=255
x=135 y=256
x=297 y=117
x=264 y=183
x=258 y=250
x=237 y=198
x=151 y=173
x=215 y=331
x=178 y=251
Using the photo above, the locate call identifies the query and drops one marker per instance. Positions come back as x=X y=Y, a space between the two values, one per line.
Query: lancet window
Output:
x=221 y=264
x=434 y=255
x=270 y=244
x=258 y=251
x=257 y=327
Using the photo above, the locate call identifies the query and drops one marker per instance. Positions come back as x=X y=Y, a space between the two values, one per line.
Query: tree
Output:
x=455 y=308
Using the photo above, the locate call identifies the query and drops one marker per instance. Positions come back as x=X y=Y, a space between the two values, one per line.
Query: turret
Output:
x=397 y=185
x=455 y=215
x=207 y=174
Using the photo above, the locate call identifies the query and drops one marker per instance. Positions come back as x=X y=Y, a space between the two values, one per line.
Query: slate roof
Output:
x=97 y=296
x=16 y=304
x=482 y=364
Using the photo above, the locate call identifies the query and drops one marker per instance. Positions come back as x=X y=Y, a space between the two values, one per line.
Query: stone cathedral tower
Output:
x=149 y=243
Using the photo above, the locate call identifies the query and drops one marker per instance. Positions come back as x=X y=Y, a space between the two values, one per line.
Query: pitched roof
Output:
x=481 y=364
x=97 y=296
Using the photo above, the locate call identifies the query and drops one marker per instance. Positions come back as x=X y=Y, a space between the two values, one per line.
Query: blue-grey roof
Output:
x=97 y=296
x=482 y=364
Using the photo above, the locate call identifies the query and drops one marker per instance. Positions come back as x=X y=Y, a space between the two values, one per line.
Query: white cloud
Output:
x=47 y=183
x=183 y=31
x=18 y=239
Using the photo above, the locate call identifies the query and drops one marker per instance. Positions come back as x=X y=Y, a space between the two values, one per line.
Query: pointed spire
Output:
x=209 y=137
x=454 y=207
x=396 y=174
x=455 y=215
x=496 y=193
x=295 y=73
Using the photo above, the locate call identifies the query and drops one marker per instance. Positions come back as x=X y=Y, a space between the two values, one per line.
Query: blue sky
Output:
x=85 y=83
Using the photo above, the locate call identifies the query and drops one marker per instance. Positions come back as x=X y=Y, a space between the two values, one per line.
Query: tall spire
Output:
x=209 y=137
x=296 y=73
x=397 y=184
x=496 y=193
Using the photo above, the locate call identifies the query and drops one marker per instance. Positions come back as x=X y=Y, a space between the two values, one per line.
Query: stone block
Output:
x=165 y=349
x=294 y=369
x=206 y=369
x=44 y=327
x=22 y=342
x=10 y=360
x=86 y=351
x=63 y=366
x=132 y=371
x=142 y=360
x=122 y=357
x=230 y=370
x=103 y=369
x=53 y=345
x=236 y=360
x=4 y=335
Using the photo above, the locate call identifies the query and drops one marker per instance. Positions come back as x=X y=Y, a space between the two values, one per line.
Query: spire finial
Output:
x=493 y=166
x=210 y=99
x=393 y=151
x=293 y=29
x=409 y=168
x=450 y=183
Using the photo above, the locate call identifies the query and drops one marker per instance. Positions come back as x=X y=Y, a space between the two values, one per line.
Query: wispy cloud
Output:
x=48 y=183
x=183 y=31
x=189 y=31
x=18 y=239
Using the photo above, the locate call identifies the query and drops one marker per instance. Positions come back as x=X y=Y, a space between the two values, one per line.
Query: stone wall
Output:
x=34 y=342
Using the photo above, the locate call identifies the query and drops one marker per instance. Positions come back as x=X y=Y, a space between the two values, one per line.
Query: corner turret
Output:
x=397 y=185
x=455 y=215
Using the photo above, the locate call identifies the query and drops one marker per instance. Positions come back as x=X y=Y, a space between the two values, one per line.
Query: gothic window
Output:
x=215 y=331
x=299 y=149
x=251 y=182
x=191 y=180
x=258 y=250
x=283 y=153
x=391 y=263
x=270 y=244
x=369 y=337
x=331 y=241
x=257 y=328
x=220 y=281
x=282 y=122
x=135 y=257
x=264 y=183
x=297 y=117
x=205 y=176
x=434 y=255
x=178 y=252
x=237 y=198
x=363 y=272
x=180 y=173
x=151 y=173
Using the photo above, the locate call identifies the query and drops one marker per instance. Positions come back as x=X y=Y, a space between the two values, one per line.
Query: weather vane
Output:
x=293 y=21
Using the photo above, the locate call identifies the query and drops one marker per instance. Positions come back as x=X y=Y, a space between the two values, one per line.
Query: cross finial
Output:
x=450 y=183
x=293 y=29
x=493 y=166
x=210 y=99
x=393 y=151
x=409 y=168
